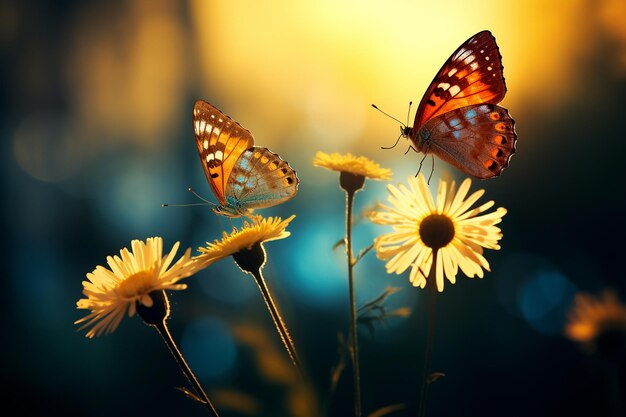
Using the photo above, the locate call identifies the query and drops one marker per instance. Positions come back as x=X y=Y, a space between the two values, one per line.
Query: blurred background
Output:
x=96 y=132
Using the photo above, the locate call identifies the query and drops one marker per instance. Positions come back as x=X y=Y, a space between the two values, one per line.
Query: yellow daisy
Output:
x=590 y=318
x=360 y=166
x=129 y=280
x=246 y=248
x=259 y=231
x=450 y=228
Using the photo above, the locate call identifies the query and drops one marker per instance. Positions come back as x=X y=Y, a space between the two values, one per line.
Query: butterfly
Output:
x=242 y=176
x=458 y=118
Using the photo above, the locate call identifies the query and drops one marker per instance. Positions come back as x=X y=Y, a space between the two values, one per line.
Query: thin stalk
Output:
x=180 y=360
x=615 y=393
x=278 y=320
x=431 y=284
x=353 y=316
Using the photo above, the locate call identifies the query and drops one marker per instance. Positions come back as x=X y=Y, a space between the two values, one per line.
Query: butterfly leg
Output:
x=394 y=145
x=409 y=148
x=432 y=169
x=419 y=169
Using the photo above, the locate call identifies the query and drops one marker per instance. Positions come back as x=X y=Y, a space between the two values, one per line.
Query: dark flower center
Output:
x=156 y=314
x=436 y=231
x=251 y=260
x=350 y=182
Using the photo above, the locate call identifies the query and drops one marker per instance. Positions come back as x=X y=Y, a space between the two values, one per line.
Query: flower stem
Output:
x=353 y=317
x=278 y=320
x=169 y=341
x=432 y=290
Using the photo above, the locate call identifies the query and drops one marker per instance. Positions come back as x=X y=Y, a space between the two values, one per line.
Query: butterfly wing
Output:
x=478 y=139
x=260 y=178
x=220 y=141
x=472 y=75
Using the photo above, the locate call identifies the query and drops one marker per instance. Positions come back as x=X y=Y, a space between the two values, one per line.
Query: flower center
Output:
x=135 y=285
x=436 y=231
x=251 y=260
x=351 y=182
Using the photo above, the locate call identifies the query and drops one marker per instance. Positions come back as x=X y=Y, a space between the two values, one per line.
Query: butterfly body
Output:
x=243 y=177
x=458 y=118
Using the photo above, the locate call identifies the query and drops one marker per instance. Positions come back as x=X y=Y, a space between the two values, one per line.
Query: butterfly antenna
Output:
x=183 y=205
x=201 y=198
x=388 y=115
x=205 y=202
x=408 y=113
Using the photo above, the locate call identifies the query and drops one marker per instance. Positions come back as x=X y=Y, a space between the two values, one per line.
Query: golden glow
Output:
x=612 y=15
x=289 y=67
x=128 y=74
x=591 y=316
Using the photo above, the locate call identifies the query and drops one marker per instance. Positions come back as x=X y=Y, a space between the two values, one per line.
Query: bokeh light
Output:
x=209 y=347
x=96 y=126
x=544 y=300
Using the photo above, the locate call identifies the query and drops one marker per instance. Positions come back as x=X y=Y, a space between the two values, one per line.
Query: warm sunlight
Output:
x=341 y=56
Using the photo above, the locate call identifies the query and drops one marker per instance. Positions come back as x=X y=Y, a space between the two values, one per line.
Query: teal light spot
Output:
x=241 y=178
x=209 y=347
x=456 y=134
x=454 y=122
x=544 y=300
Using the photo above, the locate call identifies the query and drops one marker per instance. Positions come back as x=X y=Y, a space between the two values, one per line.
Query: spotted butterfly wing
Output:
x=478 y=139
x=259 y=179
x=243 y=177
x=458 y=118
x=221 y=141
x=472 y=75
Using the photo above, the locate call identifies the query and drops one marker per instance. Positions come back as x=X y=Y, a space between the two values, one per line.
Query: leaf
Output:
x=434 y=377
x=375 y=311
x=387 y=410
x=379 y=300
x=337 y=369
x=189 y=394
x=340 y=242
x=362 y=253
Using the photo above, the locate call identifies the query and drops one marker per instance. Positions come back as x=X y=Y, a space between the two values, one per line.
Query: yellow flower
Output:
x=259 y=231
x=590 y=318
x=246 y=248
x=456 y=233
x=130 y=280
x=360 y=166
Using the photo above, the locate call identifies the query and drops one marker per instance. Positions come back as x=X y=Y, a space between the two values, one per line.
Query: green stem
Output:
x=353 y=316
x=180 y=360
x=278 y=320
x=431 y=284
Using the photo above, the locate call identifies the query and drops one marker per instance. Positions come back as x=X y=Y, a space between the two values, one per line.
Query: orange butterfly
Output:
x=458 y=118
x=242 y=176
